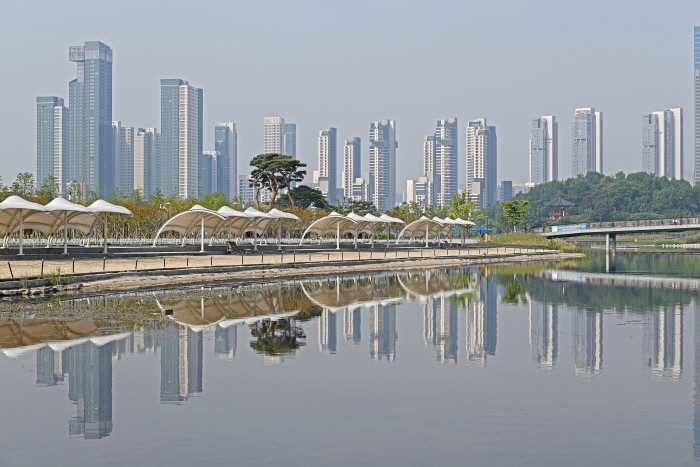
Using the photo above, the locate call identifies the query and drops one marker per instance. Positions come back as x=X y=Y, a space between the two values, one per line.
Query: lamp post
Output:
x=680 y=198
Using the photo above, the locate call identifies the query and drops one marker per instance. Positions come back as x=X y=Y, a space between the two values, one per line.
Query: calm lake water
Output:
x=530 y=364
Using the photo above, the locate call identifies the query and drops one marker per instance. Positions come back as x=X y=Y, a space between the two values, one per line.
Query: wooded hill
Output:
x=605 y=198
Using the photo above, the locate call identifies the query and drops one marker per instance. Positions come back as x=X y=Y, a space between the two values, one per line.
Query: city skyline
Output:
x=610 y=87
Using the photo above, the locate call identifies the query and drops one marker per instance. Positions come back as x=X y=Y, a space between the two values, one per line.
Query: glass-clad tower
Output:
x=51 y=141
x=90 y=143
x=696 y=87
x=180 y=137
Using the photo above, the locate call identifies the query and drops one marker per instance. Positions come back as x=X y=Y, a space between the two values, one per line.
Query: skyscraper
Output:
x=544 y=144
x=446 y=159
x=482 y=161
x=226 y=144
x=327 y=155
x=51 y=139
x=432 y=180
x=662 y=143
x=208 y=173
x=696 y=87
x=123 y=157
x=146 y=158
x=382 y=163
x=90 y=142
x=587 y=142
x=181 y=137
x=280 y=137
x=352 y=151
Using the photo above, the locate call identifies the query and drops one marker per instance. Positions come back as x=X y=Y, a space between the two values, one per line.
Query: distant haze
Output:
x=330 y=63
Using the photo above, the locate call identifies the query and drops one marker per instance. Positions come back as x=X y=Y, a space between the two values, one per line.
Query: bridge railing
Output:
x=637 y=223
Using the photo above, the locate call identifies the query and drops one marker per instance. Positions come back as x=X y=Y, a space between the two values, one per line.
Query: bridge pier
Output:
x=610 y=244
x=610 y=250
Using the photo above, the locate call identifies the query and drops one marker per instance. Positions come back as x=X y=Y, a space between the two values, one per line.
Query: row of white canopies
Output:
x=369 y=225
x=235 y=223
x=60 y=215
x=255 y=222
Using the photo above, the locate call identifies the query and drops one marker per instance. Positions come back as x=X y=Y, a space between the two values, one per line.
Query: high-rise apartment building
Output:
x=51 y=139
x=146 y=156
x=208 y=173
x=181 y=137
x=662 y=143
x=544 y=143
x=440 y=162
x=123 y=157
x=382 y=163
x=417 y=191
x=226 y=144
x=696 y=87
x=587 y=142
x=446 y=159
x=482 y=162
x=90 y=142
x=280 y=137
x=327 y=157
x=352 y=151
x=432 y=179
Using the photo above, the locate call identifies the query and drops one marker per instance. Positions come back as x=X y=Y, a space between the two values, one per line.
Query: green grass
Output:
x=533 y=239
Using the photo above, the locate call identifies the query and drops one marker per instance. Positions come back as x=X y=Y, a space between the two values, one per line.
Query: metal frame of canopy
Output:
x=14 y=207
x=279 y=215
x=101 y=207
x=362 y=224
x=255 y=215
x=322 y=225
x=195 y=213
x=416 y=228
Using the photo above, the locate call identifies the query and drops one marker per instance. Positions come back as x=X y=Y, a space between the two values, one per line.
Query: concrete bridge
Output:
x=613 y=228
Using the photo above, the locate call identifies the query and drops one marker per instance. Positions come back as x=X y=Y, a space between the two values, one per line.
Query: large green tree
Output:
x=304 y=196
x=24 y=186
x=275 y=172
x=514 y=211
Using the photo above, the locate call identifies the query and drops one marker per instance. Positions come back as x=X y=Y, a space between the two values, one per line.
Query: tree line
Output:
x=599 y=197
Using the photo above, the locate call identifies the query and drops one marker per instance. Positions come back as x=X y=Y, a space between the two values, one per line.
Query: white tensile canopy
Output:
x=186 y=222
x=13 y=212
x=279 y=215
x=362 y=225
x=325 y=224
x=422 y=226
x=58 y=215
x=259 y=222
x=234 y=221
x=101 y=207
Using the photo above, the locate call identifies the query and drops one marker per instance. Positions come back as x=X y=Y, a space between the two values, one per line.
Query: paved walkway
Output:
x=35 y=268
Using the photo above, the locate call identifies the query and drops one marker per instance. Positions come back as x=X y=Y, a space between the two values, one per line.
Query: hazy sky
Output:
x=331 y=63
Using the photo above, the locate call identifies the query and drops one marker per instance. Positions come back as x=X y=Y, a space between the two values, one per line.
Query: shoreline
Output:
x=153 y=279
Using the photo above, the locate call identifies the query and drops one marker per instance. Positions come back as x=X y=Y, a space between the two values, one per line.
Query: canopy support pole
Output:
x=21 y=231
x=201 y=240
x=426 y=235
x=279 y=234
x=356 y=235
x=65 y=234
x=255 y=235
x=104 y=235
x=337 y=235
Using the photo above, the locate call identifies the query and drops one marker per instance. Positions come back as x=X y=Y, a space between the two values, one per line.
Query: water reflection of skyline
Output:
x=85 y=363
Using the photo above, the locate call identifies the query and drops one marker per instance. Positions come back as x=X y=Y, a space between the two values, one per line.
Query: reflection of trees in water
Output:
x=276 y=337
x=514 y=293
